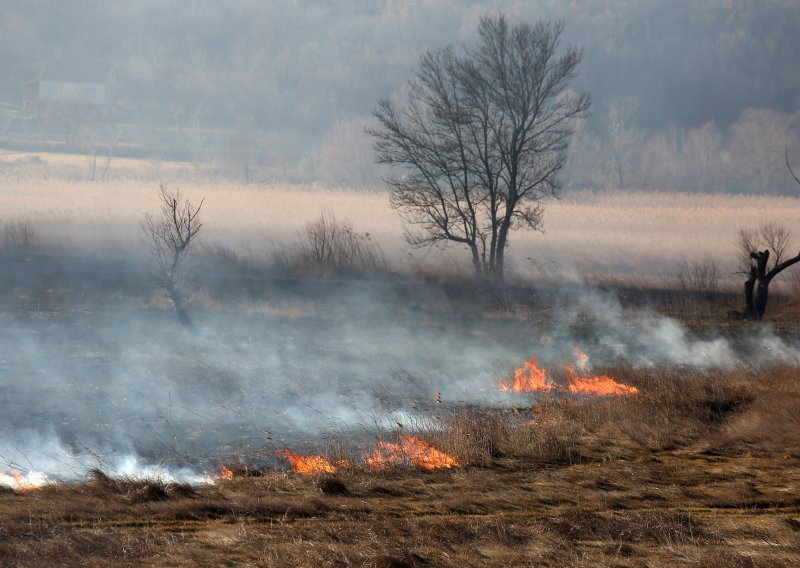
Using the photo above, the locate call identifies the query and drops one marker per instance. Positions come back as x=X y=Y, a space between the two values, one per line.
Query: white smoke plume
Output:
x=130 y=392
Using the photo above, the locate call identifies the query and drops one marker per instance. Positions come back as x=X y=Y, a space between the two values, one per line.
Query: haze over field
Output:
x=698 y=96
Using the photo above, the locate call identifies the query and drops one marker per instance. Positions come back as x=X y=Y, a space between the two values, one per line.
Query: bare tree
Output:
x=482 y=138
x=437 y=192
x=775 y=240
x=170 y=233
x=789 y=166
x=623 y=141
x=755 y=144
x=101 y=140
x=701 y=157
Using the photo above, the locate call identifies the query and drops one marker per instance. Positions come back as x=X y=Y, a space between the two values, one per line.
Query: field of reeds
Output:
x=636 y=235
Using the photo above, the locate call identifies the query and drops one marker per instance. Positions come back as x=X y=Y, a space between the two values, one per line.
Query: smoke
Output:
x=641 y=337
x=101 y=386
x=123 y=387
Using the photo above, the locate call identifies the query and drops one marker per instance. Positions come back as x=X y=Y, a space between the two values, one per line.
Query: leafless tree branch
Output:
x=169 y=234
x=482 y=139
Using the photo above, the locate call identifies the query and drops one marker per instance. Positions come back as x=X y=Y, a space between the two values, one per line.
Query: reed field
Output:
x=632 y=234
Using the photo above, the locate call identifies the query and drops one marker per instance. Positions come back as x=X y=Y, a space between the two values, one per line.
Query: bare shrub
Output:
x=330 y=247
x=19 y=239
x=222 y=257
x=700 y=276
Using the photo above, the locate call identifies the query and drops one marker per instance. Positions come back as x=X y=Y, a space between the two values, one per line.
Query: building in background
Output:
x=63 y=81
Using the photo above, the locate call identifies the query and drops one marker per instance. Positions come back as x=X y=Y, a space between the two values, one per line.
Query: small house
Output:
x=70 y=80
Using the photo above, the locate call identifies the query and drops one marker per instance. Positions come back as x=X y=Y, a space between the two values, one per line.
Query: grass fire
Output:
x=531 y=378
x=331 y=418
x=400 y=284
x=265 y=374
x=310 y=465
x=409 y=450
x=390 y=420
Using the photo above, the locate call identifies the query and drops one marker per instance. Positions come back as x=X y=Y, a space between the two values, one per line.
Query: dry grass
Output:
x=771 y=422
x=683 y=474
x=674 y=409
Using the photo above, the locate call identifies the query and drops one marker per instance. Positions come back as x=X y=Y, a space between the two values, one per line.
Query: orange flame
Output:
x=528 y=378
x=581 y=358
x=224 y=473
x=601 y=385
x=532 y=378
x=309 y=465
x=410 y=449
x=22 y=482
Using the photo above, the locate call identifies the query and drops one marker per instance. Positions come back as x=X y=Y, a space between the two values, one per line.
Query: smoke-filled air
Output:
x=399 y=283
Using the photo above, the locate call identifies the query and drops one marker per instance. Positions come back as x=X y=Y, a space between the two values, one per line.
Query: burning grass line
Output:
x=409 y=450
x=531 y=378
x=21 y=482
x=600 y=385
x=310 y=465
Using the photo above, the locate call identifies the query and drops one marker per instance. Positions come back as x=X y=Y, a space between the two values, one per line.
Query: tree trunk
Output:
x=499 y=258
x=493 y=241
x=618 y=162
x=762 y=295
x=749 y=304
x=476 y=258
x=756 y=287
x=502 y=237
x=108 y=164
x=177 y=301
